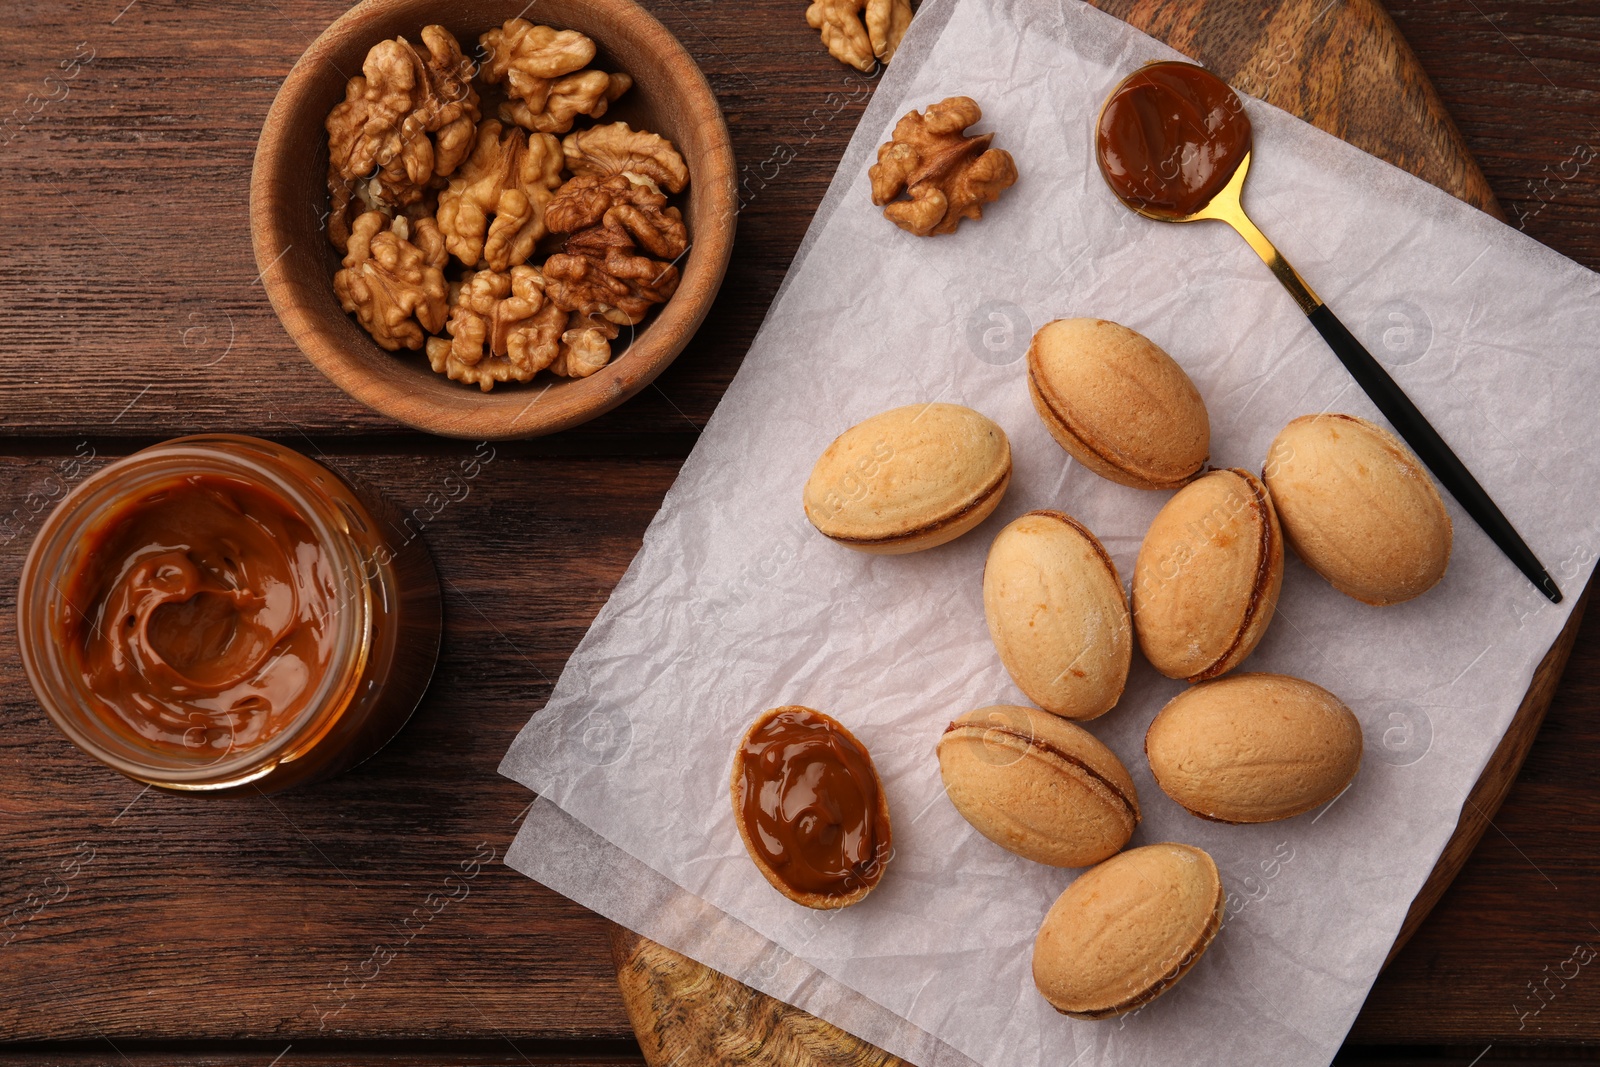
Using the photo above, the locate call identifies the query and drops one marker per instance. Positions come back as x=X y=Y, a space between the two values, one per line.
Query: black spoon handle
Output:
x=1430 y=447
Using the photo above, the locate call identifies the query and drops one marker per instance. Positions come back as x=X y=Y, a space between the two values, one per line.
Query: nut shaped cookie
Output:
x=1039 y=786
x=1117 y=403
x=1358 y=508
x=909 y=479
x=1058 y=615
x=1126 y=931
x=1253 y=748
x=1208 y=576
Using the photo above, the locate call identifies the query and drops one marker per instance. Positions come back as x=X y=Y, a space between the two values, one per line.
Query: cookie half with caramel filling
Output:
x=810 y=807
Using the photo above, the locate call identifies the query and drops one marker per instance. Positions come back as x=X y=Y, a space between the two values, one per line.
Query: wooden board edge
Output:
x=684 y=1012
x=1498 y=775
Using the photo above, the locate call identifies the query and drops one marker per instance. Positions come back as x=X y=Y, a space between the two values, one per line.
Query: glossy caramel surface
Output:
x=811 y=803
x=202 y=618
x=1169 y=138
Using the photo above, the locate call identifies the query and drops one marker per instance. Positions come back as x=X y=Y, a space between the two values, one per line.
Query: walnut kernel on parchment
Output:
x=860 y=32
x=409 y=116
x=392 y=279
x=512 y=175
x=947 y=175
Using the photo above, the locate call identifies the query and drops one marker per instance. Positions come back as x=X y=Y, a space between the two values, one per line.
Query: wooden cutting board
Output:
x=1342 y=66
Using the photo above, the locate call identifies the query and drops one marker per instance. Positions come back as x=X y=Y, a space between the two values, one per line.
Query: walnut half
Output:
x=542 y=69
x=407 y=118
x=848 y=40
x=505 y=328
x=512 y=175
x=602 y=275
x=614 y=205
x=588 y=92
x=947 y=175
x=616 y=148
x=619 y=203
x=392 y=279
x=502 y=329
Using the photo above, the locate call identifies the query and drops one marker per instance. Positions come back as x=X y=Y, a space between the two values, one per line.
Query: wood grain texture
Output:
x=125 y=265
x=1523 y=83
x=171 y=323
x=595 y=1054
x=501 y=1053
x=683 y=1012
x=325 y=911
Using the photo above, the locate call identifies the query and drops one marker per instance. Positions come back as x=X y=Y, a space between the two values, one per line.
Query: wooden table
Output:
x=141 y=928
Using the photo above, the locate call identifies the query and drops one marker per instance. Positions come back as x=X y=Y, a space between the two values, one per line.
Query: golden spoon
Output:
x=1174 y=144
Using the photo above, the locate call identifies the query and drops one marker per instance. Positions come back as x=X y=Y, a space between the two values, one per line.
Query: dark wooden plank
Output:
x=1523 y=83
x=501 y=1053
x=1522 y=80
x=1495 y=1055
x=129 y=272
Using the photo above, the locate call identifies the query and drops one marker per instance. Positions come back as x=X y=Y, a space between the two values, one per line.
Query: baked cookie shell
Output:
x=1207 y=580
x=1117 y=403
x=909 y=479
x=1128 y=930
x=1058 y=615
x=1038 y=785
x=1254 y=748
x=1359 y=508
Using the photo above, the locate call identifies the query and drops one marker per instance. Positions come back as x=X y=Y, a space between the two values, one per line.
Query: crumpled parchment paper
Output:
x=735 y=604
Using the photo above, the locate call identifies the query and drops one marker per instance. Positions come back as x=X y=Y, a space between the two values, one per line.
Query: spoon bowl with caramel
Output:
x=1174 y=143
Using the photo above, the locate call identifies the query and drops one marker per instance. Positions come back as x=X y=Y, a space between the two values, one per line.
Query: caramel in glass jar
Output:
x=219 y=613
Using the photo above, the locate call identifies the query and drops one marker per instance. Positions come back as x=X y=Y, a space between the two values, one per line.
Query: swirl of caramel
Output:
x=810 y=805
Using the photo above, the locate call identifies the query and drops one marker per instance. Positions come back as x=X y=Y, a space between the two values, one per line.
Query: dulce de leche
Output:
x=1169 y=138
x=810 y=807
x=217 y=613
x=204 y=617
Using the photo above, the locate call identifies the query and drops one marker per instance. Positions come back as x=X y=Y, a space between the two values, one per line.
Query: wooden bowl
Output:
x=289 y=203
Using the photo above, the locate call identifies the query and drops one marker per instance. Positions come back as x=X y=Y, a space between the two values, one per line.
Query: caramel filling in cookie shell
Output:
x=810 y=803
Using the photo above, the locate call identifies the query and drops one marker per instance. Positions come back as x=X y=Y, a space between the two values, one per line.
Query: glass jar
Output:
x=220 y=614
